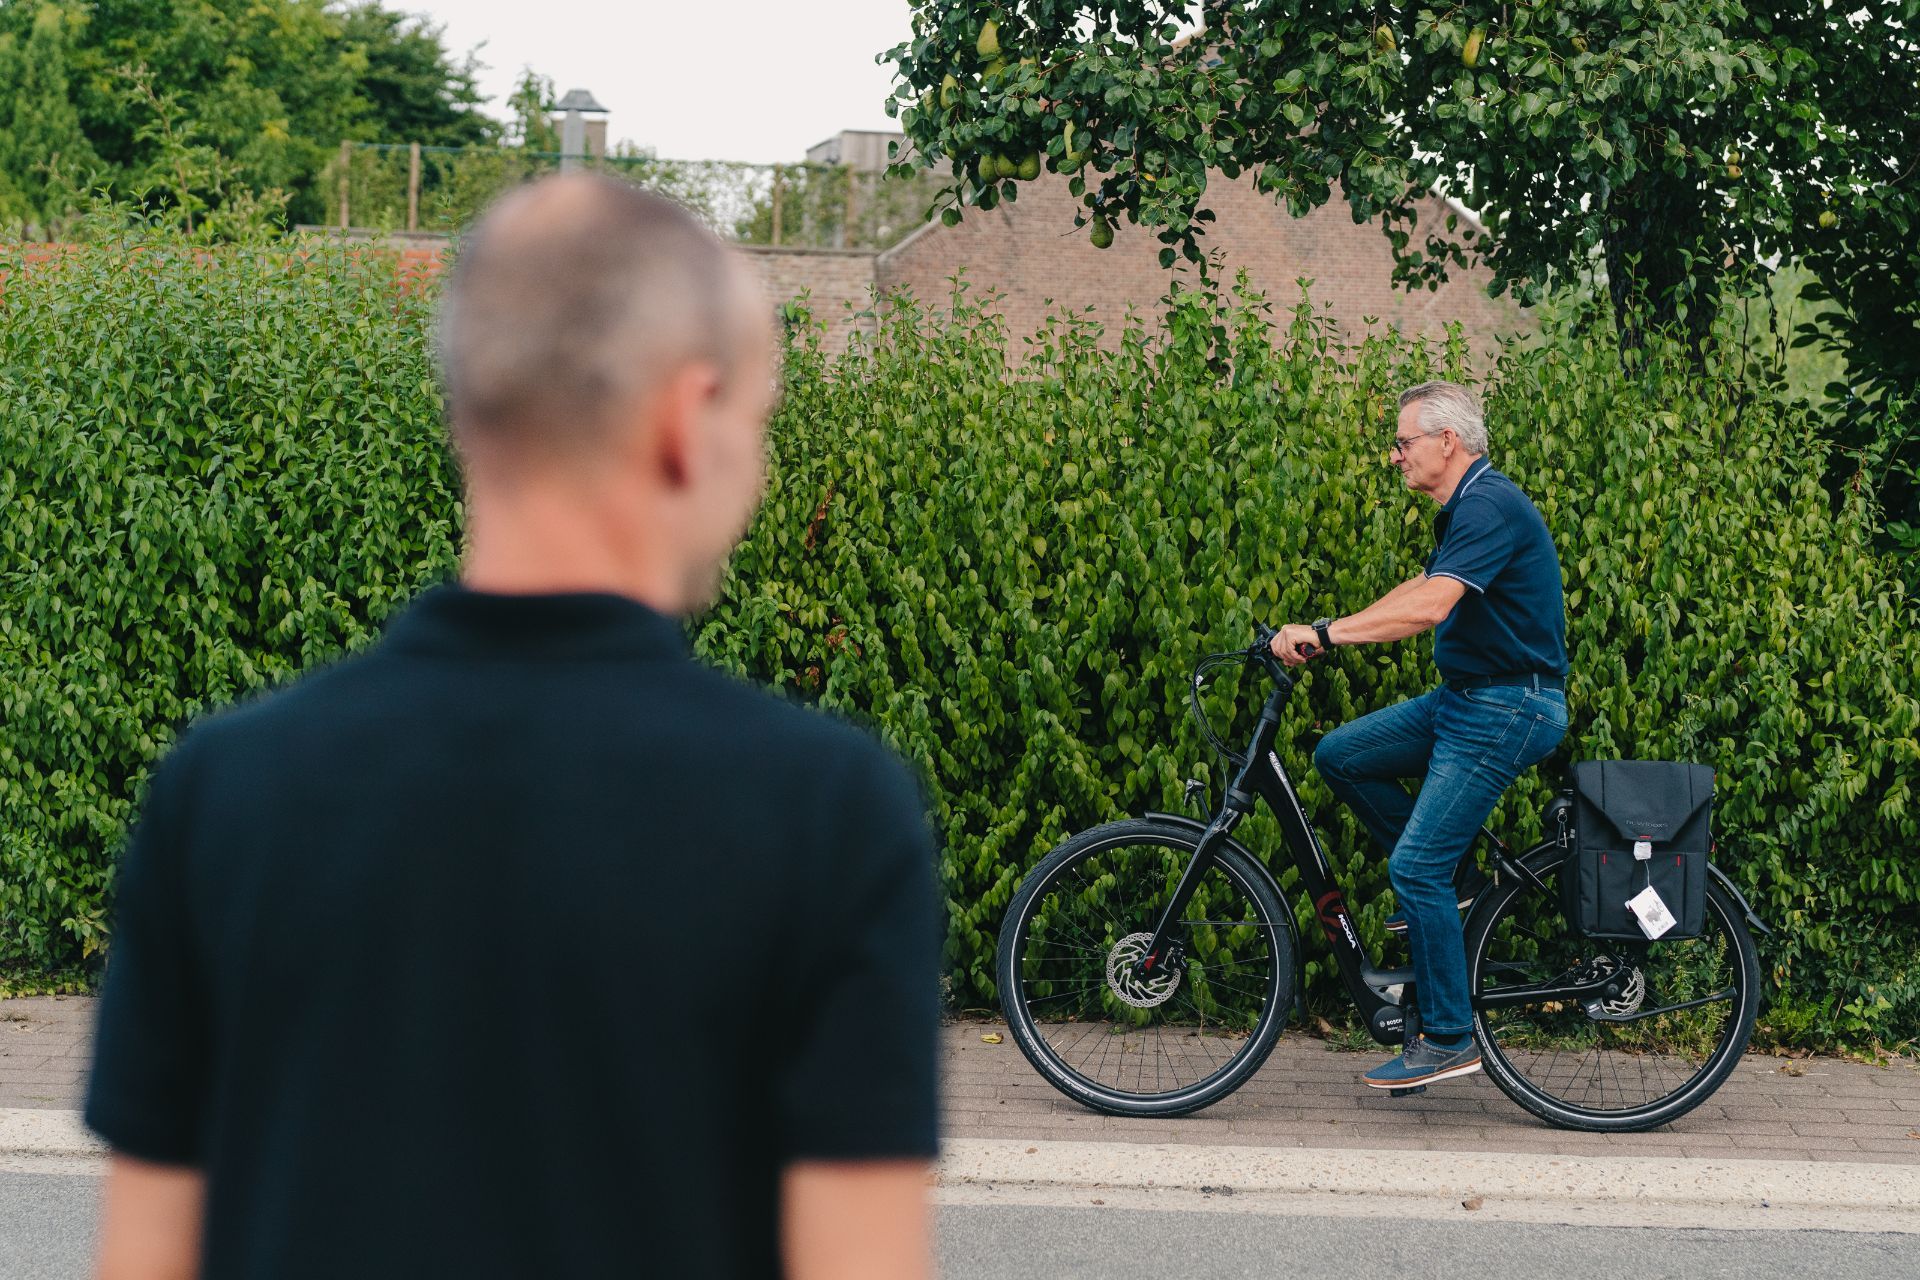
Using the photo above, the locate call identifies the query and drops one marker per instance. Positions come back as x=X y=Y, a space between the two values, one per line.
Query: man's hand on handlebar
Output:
x=1295 y=643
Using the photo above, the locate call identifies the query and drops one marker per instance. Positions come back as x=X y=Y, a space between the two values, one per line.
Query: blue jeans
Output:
x=1469 y=746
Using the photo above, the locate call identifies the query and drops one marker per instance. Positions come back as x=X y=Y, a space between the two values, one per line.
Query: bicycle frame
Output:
x=1377 y=993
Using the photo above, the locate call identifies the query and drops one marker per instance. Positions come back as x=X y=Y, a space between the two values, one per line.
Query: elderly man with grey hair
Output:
x=523 y=944
x=1491 y=593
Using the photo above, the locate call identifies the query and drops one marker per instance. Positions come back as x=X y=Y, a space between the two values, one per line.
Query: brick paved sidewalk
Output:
x=1307 y=1095
x=45 y=1046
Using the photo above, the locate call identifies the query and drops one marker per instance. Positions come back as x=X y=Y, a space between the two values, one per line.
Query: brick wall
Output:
x=1031 y=252
x=838 y=283
x=413 y=263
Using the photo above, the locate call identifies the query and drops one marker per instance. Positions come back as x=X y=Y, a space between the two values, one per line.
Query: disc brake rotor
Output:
x=1630 y=997
x=1124 y=980
x=1633 y=988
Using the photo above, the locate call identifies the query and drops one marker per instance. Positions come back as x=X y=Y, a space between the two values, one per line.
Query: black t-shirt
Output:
x=521 y=945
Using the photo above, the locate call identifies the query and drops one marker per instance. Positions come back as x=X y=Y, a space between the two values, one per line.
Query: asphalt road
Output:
x=999 y=1242
x=46 y=1231
x=46 y=1225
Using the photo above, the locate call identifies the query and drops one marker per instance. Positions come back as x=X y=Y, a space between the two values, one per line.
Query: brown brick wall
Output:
x=1031 y=251
x=838 y=282
x=412 y=263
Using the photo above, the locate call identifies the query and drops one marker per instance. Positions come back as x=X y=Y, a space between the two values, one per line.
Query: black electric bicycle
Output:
x=1146 y=967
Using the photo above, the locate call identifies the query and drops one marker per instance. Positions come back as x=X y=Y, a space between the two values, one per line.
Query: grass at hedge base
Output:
x=217 y=473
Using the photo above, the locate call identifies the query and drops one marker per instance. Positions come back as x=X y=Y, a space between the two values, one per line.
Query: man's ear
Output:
x=678 y=413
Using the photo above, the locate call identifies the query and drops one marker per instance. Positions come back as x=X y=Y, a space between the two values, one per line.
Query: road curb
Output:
x=1890 y=1192
x=33 y=1131
x=1617 y=1181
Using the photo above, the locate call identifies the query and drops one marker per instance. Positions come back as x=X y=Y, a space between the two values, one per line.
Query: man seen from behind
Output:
x=522 y=944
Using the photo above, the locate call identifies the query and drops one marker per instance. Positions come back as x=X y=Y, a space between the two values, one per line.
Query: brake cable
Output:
x=1200 y=671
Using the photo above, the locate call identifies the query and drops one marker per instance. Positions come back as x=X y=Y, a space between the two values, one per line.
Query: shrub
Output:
x=218 y=468
x=219 y=472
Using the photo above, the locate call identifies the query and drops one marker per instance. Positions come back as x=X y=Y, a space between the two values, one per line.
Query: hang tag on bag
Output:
x=1651 y=911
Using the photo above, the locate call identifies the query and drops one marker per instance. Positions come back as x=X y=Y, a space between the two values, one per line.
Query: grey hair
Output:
x=571 y=297
x=1448 y=404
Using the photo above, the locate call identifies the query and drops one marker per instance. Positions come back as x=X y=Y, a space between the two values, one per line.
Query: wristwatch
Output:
x=1320 y=629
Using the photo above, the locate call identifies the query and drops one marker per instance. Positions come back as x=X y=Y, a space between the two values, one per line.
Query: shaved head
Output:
x=573 y=298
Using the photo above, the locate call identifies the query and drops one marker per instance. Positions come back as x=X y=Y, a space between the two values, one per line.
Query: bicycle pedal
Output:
x=1406 y=1093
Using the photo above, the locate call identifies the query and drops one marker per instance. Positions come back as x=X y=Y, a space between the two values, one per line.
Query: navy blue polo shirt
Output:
x=1513 y=618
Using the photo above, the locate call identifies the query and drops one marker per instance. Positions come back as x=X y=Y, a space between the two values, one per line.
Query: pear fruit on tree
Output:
x=988 y=45
x=1470 y=54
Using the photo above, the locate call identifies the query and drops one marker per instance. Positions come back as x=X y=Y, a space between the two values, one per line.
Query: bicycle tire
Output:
x=1086 y=903
x=1597 y=1074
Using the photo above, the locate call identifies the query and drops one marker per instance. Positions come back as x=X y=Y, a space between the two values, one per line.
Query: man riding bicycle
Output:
x=1491 y=591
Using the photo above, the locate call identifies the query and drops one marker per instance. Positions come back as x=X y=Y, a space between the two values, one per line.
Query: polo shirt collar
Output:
x=1478 y=468
x=454 y=621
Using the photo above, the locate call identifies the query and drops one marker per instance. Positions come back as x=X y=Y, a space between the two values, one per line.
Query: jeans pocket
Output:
x=1497 y=697
x=1549 y=707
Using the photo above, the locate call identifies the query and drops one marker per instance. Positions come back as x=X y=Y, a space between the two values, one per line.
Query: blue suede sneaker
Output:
x=1424 y=1063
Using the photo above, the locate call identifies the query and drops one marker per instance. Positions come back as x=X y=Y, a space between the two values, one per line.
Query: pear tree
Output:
x=1680 y=143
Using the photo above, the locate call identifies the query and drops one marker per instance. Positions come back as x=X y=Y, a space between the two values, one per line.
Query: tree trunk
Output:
x=1653 y=220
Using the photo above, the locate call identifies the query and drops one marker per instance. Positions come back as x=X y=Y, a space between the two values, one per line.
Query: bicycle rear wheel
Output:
x=1121 y=1044
x=1671 y=1032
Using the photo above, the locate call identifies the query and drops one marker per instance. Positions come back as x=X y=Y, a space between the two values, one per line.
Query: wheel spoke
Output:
x=1140 y=1044
x=1661 y=1041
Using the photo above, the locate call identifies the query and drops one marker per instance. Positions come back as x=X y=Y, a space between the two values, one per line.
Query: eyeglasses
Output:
x=1400 y=443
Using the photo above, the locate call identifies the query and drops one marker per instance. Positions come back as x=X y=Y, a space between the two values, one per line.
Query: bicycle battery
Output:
x=1640 y=849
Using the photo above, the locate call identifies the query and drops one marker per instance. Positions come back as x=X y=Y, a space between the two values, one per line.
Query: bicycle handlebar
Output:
x=1261 y=651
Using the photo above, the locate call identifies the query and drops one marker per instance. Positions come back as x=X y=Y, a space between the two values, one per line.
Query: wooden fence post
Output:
x=413 y=186
x=346 y=183
x=776 y=204
x=847 y=239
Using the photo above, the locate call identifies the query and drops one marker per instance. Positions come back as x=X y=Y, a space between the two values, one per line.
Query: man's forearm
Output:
x=1416 y=605
x=856 y=1220
x=150 y=1222
x=1400 y=592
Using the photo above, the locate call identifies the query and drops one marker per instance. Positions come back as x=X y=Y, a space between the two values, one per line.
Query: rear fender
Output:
x=1541 y=856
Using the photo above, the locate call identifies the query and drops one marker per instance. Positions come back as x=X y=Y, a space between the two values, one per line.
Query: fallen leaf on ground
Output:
x=1099 y=1201
x=1472 y=1202
x=1031 y=1150
x=992 y=1037
x=1325 y=1028
x=1792 y=1069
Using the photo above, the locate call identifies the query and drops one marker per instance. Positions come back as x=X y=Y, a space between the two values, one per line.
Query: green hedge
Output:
x=218 y=468
x=217 y=473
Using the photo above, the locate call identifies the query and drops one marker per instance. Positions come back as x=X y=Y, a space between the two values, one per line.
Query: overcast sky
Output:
x=756 y=80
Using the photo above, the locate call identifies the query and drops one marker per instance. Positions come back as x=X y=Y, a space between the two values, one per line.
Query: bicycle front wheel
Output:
x=1123 y=1044
x=1667 y=1030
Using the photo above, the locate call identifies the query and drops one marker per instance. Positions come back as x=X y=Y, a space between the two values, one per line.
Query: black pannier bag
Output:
x=1639 y=824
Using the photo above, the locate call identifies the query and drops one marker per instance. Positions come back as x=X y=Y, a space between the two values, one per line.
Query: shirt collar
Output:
x=452 y=620
x=1478 y=468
